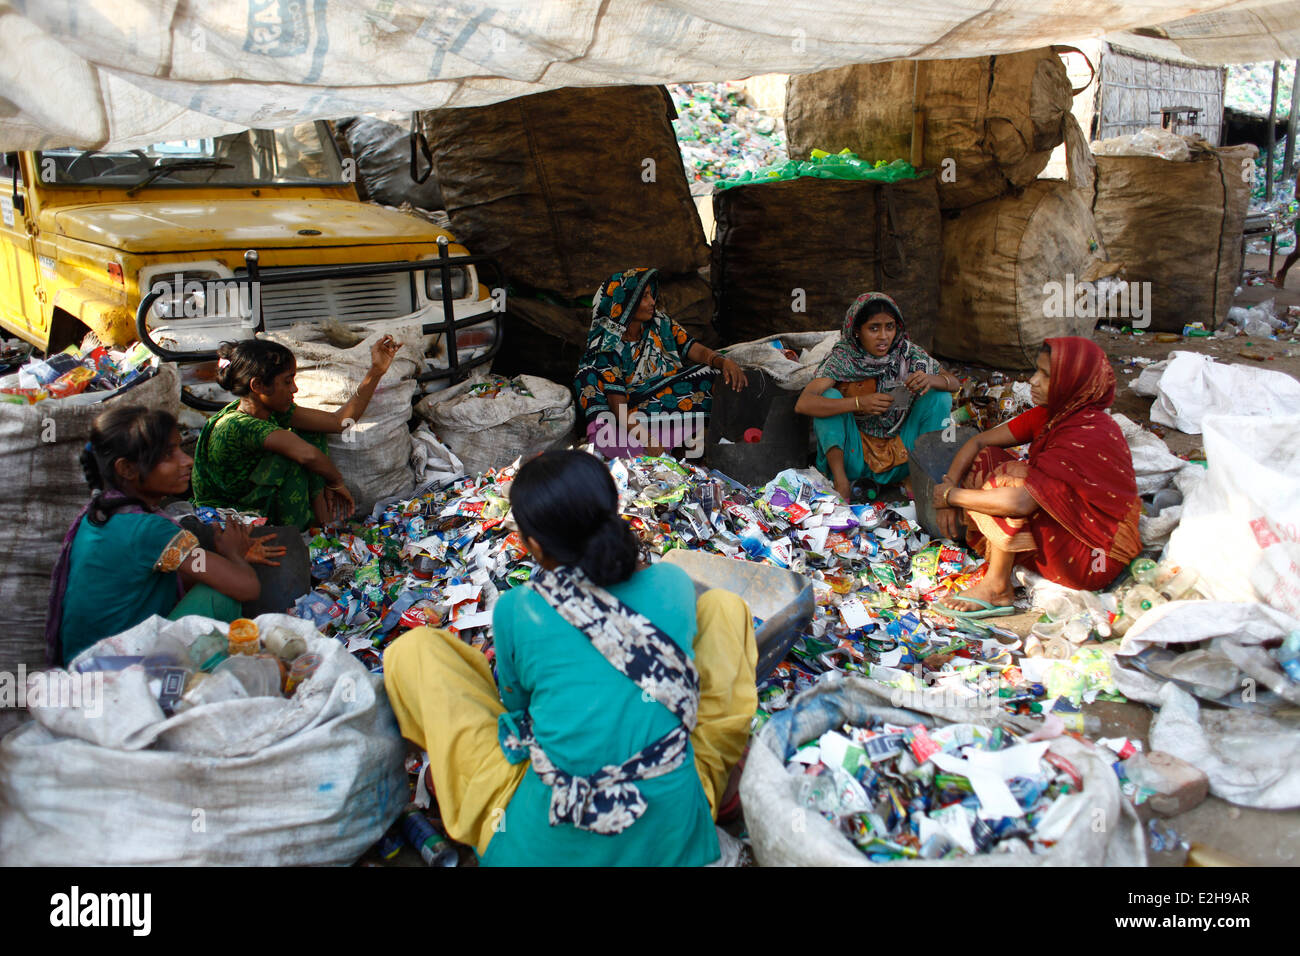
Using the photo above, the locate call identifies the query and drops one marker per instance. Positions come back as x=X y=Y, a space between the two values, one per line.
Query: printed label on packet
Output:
x=923 y=748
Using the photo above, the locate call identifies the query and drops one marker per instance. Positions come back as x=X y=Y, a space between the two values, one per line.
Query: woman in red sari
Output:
x=1069 y=511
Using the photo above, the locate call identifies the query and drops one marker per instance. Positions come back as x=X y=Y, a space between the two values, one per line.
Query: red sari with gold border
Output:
x=1080 y=473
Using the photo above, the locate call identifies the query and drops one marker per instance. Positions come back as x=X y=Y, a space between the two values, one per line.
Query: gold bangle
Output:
x=945 y=497
x=857 y=403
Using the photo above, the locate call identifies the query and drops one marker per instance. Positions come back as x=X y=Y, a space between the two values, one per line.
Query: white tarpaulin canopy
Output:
x=127 y=73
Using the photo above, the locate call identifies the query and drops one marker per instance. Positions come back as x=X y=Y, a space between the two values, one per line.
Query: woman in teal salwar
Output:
x=263 y=453
x=873 y=396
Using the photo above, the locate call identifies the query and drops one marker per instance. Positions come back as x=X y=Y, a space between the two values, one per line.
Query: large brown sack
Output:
x=554 y=185
x=548 y=339
x=1177 y=226
x=830 y=240
x=997 y=118
x=995 y=301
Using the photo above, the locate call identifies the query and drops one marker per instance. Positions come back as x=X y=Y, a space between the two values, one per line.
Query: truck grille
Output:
x=348 y=300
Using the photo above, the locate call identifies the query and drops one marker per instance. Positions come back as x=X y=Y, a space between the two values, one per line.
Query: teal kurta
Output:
x=929 y=413
x=124 y=571
x=588 y=715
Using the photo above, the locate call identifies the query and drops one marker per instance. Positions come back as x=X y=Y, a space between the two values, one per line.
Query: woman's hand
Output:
x=876 y=403
x=947 y=518
x=733 y=374
x=382 y=353
x=921 y=382
x=263 y=549
x=339 y=501
x=941 y=491
x=232 y=541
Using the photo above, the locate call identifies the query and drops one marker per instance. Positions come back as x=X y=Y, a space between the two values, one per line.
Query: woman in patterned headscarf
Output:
x=640 y=360
x=873 y=396
x=1069 y=511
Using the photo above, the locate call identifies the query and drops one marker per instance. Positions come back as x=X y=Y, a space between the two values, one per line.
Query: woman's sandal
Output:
x=986 y=609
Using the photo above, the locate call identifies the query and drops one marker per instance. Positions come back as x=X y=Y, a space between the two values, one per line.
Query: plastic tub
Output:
x=243 y=637
x=762 y=405
x=781 y=599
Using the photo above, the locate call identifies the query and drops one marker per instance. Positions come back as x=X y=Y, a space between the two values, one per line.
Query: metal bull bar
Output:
x=456 y=369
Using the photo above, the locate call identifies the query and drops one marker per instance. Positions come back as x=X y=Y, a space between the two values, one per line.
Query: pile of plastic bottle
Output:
x=92 y=373
x=823 y=165
x=905 y=793
x=720 y=136
x=218 y=667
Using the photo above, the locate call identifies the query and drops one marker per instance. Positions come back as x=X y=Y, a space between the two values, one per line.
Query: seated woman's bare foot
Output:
x=845 y=489
x=985 y=590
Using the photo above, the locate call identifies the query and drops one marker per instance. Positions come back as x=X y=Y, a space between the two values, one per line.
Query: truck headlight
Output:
x=184 y=294
x=459 y=281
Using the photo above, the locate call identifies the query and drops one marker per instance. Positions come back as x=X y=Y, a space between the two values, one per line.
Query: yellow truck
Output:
x=219 y=238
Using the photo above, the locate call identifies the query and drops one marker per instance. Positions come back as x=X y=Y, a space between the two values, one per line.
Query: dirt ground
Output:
x=1282 y=355
x=1257 y=837
x=1251 y=837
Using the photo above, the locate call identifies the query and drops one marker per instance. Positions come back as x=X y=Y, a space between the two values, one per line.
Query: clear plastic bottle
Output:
x=260 y=675
x=1143 y=570
x=1140 y=599
x=1175 y=583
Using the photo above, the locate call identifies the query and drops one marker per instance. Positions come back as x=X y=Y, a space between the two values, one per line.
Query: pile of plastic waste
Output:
x=823 y=165
x=720 y=135
x=1249 y=86
x=88 y=374
x=217 y=667
x=910 y=792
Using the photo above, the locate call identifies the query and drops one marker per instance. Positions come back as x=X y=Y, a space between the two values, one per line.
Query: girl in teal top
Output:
x=124 y=561
x=621 y=710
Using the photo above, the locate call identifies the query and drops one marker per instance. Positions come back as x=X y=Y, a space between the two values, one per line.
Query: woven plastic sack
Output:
x=490 y=432
x=108 y=780
x=1095 y=827
x=43 y=491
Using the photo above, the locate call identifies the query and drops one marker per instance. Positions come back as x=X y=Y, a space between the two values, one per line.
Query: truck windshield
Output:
x=297 y=155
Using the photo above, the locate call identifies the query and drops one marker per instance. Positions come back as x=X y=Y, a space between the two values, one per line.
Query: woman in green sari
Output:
x=262 y=453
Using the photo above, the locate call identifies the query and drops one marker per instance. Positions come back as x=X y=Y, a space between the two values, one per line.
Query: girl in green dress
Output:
x=263 y=453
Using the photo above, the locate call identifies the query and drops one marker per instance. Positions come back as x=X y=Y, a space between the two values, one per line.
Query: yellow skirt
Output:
x=446 y=703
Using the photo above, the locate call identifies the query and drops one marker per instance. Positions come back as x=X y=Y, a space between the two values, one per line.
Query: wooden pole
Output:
x=1272 y=134
x=1268 y=159
x=1289 y=157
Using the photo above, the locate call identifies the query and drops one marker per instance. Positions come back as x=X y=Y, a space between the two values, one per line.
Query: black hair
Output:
x=139 y=435
x=875 y=307
x=250 y=359
x=568 y=502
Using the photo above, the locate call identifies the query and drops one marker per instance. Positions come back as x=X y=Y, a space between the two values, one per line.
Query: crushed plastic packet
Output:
x=912 y=792
x=76 y=372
